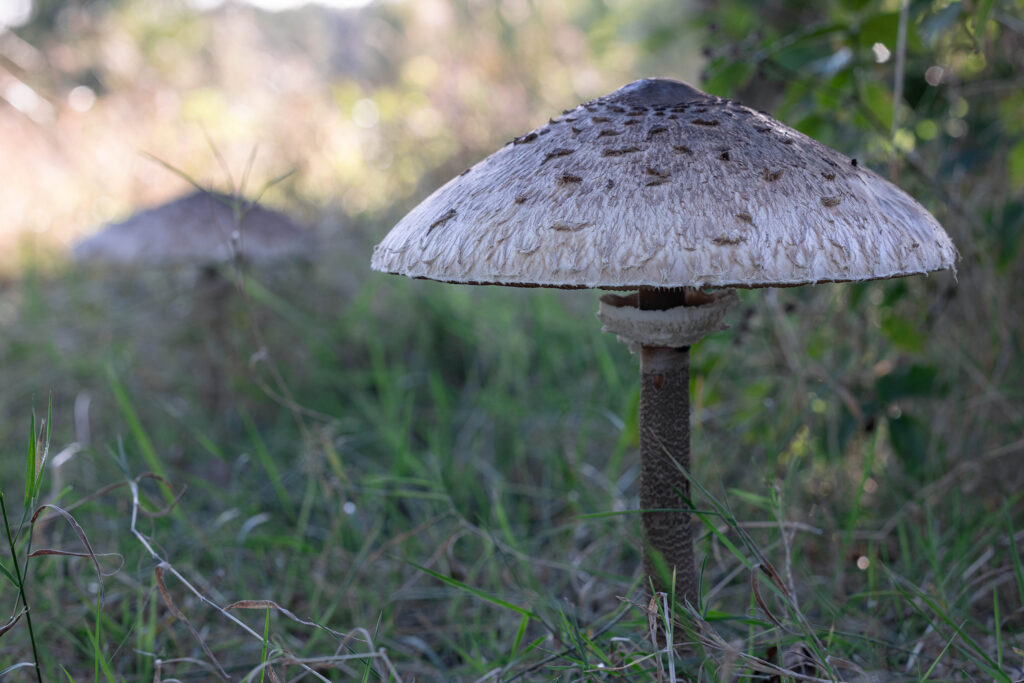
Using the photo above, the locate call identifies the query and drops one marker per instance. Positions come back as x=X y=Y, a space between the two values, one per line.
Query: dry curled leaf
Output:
x=11 y=622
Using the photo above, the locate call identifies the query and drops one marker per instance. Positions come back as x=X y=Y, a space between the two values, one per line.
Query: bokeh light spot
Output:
x=81 y=98
x=934 y=75
x=365 y=113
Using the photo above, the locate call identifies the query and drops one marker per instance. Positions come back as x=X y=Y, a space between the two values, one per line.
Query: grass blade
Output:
x=1018 y=571
x=476 y=592
x=938 y=658
x=142 y=439
x=21 y=585
x=266 y=644
x=30 y=462
x=45 y=438
x=910 y=590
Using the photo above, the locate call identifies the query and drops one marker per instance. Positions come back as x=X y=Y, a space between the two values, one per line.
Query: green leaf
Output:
x=7 y=573
x=912 y=380
x=797 y=56
x=935 y=26
x=903 y=333
x=813 y=125
x=909 y=439
x=834 y=93
x=856 y=291
x=894 y=291
x=981 y=20
x=884 y=28
x=1015 y=165
x=880 y=28
x=728 y=76
x=1009 y=229
x=738 y=18
x=878 y=99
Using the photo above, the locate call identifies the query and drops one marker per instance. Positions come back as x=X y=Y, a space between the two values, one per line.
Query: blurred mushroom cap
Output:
x=661 y=185
x=199 y=229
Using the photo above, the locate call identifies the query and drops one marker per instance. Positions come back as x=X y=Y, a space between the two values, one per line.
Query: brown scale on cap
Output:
x=445 y=217
x=655 y=131
x=563 y=226
x=660 y=177
x=559 y=152
x=618 y=151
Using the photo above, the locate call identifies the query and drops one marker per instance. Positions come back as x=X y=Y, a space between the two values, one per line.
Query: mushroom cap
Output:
x=198 y=229
x=661 y=185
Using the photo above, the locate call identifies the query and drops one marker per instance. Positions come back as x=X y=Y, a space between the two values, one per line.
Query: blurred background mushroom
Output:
x=204 y=229
x=214 y=238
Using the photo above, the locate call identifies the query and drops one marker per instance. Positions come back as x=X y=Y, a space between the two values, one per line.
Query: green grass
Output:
x=415 y=481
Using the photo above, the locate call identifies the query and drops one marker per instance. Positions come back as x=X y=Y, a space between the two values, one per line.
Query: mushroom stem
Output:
x=665 y=455
x=211 y=299
x=662 y=324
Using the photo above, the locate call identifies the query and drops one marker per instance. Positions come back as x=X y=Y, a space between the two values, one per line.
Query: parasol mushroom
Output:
x=661 y=188
x=202 y=230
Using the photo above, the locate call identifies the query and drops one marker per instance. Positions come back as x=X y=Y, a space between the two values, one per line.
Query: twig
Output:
x=165 y=566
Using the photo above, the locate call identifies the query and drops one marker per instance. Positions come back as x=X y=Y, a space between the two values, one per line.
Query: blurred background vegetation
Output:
x=443 y=466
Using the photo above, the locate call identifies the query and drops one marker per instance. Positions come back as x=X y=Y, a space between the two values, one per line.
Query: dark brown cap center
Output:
x=654 y=92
